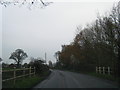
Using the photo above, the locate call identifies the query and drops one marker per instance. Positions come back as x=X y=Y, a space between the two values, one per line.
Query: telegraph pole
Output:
x=119 y=13
x=45 y=57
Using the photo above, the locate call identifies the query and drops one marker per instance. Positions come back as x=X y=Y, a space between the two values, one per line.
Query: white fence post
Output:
x=108 y=70
x=100 y=70
x=103 y=70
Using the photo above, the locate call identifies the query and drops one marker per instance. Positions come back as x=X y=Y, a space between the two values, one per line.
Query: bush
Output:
x=40 y=67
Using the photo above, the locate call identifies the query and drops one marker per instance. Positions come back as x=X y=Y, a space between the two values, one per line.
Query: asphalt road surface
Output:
x=65 y=79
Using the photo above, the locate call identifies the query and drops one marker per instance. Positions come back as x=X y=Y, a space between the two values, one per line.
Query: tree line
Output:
x=19 y=55
x=97 y=44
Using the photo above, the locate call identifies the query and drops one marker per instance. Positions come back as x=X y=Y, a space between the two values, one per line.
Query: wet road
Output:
x=65 y=79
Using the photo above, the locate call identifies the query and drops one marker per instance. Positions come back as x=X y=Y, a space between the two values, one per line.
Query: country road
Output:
x=65 y=79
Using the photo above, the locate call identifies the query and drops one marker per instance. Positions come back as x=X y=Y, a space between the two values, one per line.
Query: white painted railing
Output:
x=103 y=70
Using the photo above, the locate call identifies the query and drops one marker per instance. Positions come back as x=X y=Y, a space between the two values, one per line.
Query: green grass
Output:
x=23 y=82
x=104 y=76
x=28 y=82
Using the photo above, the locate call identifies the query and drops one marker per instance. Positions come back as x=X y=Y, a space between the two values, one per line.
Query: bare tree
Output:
x=29 y=3
x=19 y=55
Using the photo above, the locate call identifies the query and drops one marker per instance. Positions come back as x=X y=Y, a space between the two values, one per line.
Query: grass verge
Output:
x=26 y=82
x=102 y=76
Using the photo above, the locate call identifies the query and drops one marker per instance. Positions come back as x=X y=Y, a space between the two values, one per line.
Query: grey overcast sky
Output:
x=38 y=31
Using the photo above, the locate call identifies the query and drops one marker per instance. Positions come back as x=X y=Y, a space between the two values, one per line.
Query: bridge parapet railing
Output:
x=104 y=70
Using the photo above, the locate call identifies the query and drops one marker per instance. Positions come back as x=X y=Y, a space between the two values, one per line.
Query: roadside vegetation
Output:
x=22 y=83
x=26 y=82
x=36 y=65
x=96 y=45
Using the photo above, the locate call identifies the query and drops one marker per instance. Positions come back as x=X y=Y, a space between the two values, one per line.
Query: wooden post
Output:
x=103 y=70
x=108 y=70
x=23 y=71
x=30 y=71
x=34 y=71
x=14 y=75
x=100 y=70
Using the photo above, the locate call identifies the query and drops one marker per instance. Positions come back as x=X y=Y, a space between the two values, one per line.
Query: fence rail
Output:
x=14 y=77
x=16 y=69
x=104 y=70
